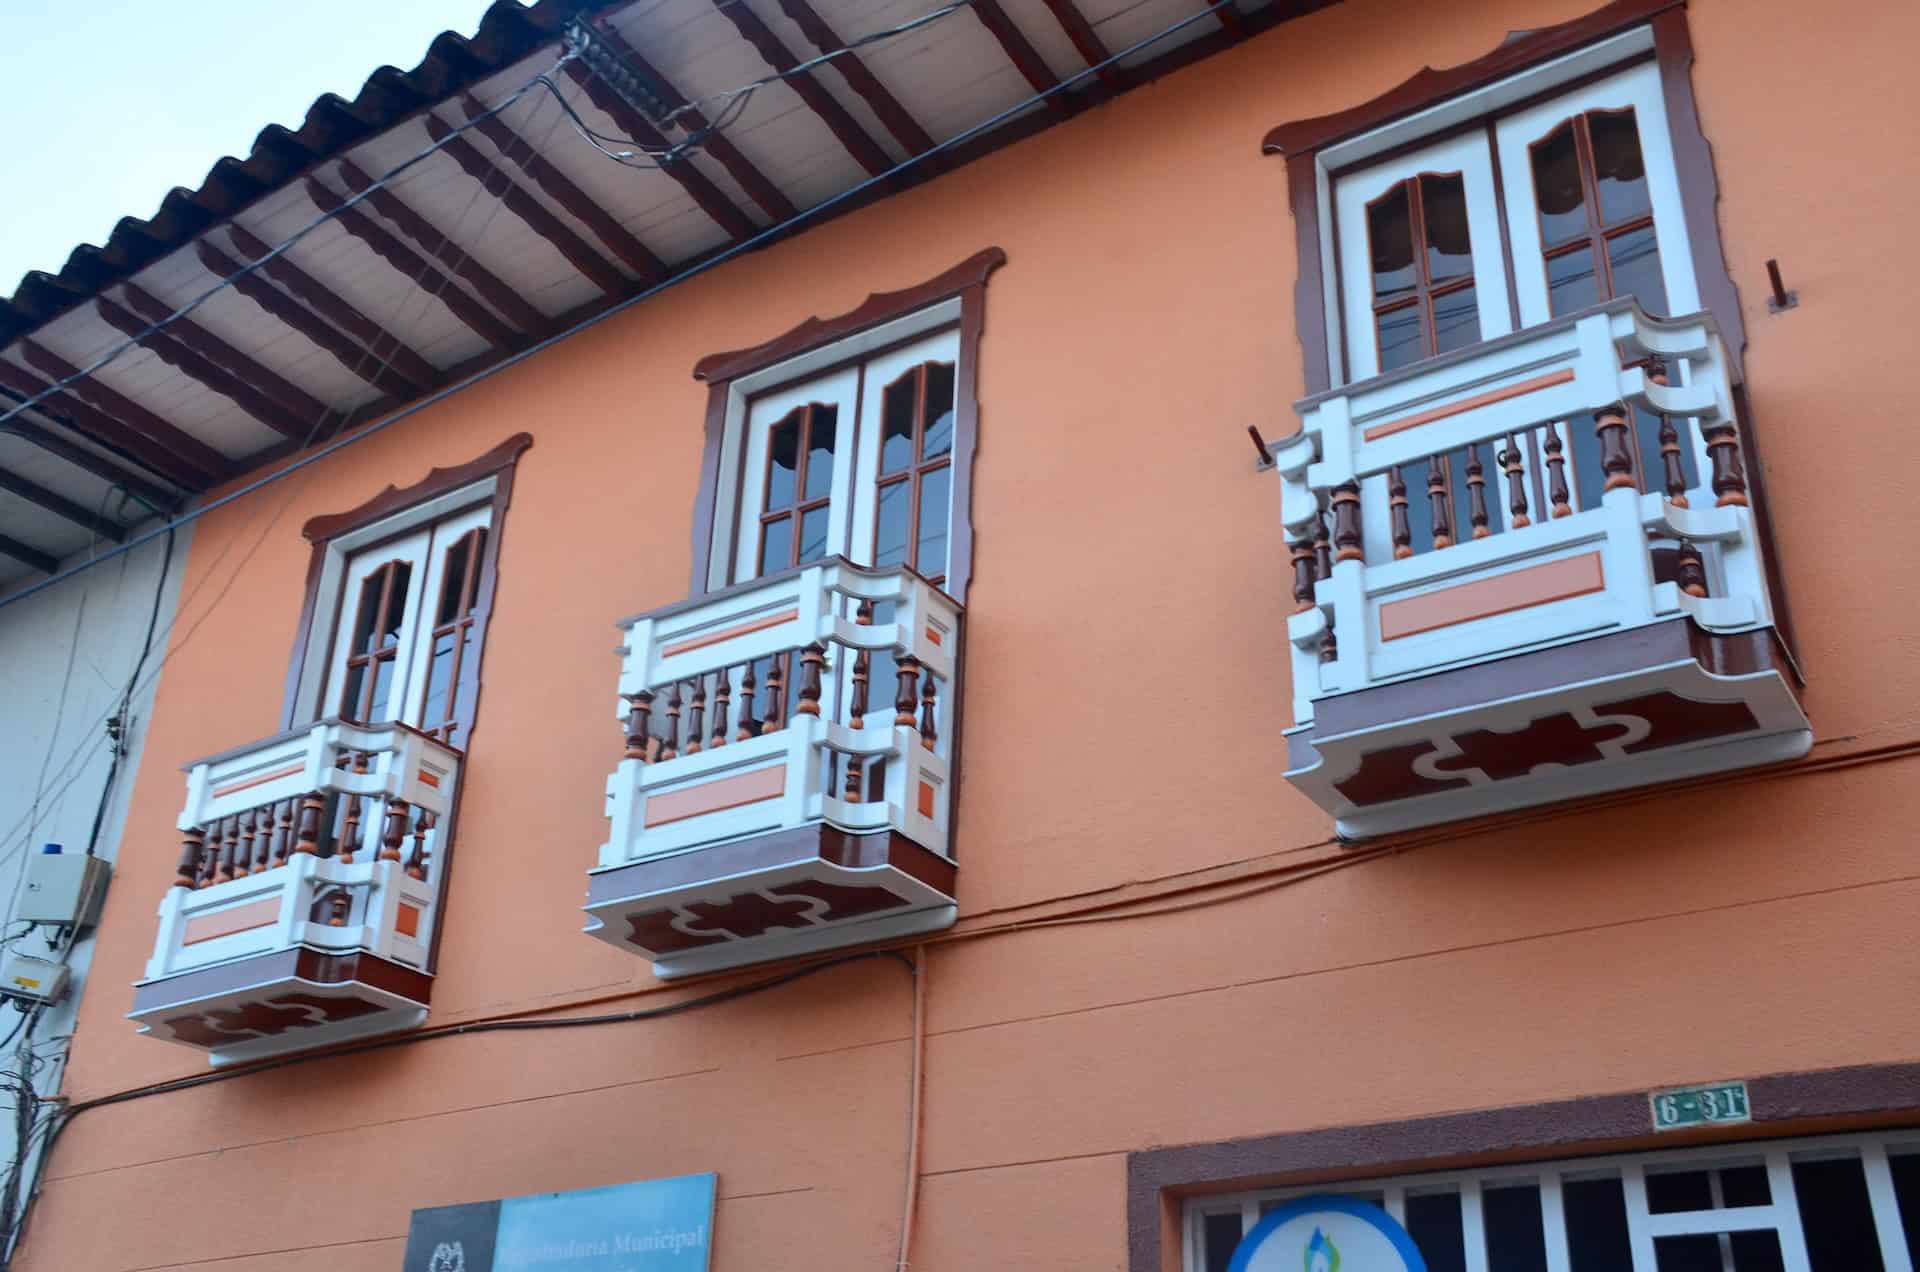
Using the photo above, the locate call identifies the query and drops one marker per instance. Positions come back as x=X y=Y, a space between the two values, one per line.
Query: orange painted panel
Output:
x=1501 y=594
x=241 y=918
x=406 y=920
x=235 y=787
x=714 y=638
x=1464 y=405
x=926 y=799
x=712 y=797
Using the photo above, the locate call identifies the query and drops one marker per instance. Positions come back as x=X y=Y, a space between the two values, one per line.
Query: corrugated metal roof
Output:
x=508 y=32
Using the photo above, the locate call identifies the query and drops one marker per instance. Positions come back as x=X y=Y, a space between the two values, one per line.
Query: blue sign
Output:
x=657 y=1225
x=1324 y=1234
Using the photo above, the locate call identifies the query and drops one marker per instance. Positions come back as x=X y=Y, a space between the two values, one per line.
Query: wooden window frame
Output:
x=392 y=513
x=1527 y=66
x=918 y=467
x=817 y=346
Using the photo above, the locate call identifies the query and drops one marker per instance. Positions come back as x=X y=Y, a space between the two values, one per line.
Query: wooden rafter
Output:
x=106 y=431
x=905 y=128
x=196 y=366
x=61 y=506
x=389 y=247
x=165 y=444
x=762 y=191
x=89 y=462
x=844 y=127
x=1020 y=51
x=535 y=214
x=284 y=309
x=560 y=188
x=305 y=407
x=26 y=554
x=712 y=200
x=1087 y=42
x=1230 y=20
x=440 y=246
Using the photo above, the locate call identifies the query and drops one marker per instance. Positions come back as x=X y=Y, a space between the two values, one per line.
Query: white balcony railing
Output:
x=320 y=837
x=1578 y=477
x=820 y=695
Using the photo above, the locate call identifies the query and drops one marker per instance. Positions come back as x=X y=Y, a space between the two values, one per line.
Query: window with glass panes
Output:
x=1821 y=1205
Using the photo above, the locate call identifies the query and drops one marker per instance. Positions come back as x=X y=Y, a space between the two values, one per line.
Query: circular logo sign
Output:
x=1327 y=1234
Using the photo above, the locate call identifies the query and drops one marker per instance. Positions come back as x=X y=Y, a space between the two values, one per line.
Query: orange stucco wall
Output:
x=1127 y=553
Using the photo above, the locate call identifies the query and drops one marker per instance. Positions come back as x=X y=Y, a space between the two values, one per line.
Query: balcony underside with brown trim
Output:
x=1634 y=708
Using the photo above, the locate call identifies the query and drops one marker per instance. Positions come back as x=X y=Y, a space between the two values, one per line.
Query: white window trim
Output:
x=328 y=596
x=1781 y=1215
x=1436 y=119
x=792 y=371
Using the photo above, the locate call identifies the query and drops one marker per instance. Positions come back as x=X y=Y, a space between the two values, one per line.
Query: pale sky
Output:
x=111 y=103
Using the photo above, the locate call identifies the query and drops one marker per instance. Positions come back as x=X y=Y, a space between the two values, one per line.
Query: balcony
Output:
x=302 y=912
x=1527 y=572
x=786 y=785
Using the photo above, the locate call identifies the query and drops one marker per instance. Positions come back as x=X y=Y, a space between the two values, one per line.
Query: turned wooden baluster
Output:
x=1303 y=574
x=908 y=696
x=776 y=696
x=639 y=707
x=350 y=833
x=341 y=906
x=1693 y=570
x=1476 y=492
x=1676 y=478
x=1329 y=650
x=283 y=816
x=722 y=697
x=243 y=850
x=229 y=841
x=1397 y=505
x=1729 y=479
x=262 y=837
x=417 y=860
x=811 y=660
x=1322 y=547
x=1616 y=459
x=1437 y=497
x=929 y=729
x=1557 y=492
x=749 y=727
x=696 y=716
x=1346 y=523
x=1515 y=469
x=395 y=831
x=192 y=844
x=670 y=744
x=856 y=787
x=307 y=837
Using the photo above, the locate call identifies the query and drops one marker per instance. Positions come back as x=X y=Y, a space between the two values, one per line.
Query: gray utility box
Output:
x=62 y=888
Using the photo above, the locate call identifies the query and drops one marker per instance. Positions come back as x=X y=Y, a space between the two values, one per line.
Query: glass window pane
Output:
x=453 y=582
x=377 y=706
x=938 y=438
x=1674 y=1191
x=1433 y=1221
x=1906 y=1190
x=1443 y=211
x=1390 y=240
x=1618 y=169
x=820 y=437
x=776 y=545
x=1556 y=186
x=930 y=557
x=890 y=533
x=783 y=461
x=396 y=615
x=896 y=423
x=1402 y=338
x=1219 y=1234
x=439 y=678
x=1634 y=258
x=1596 y=1211
x=1456 y=319
x=1837 y=1216
x=1571 y=282
x=350 y=691
x=368 y=612
x=1583 y=462
x=1516 y=1234
x=1751 y=1251
x=813 y=536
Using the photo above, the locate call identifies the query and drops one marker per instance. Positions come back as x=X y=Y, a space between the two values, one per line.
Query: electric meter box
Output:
x=34 y=980
x=62 y=888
